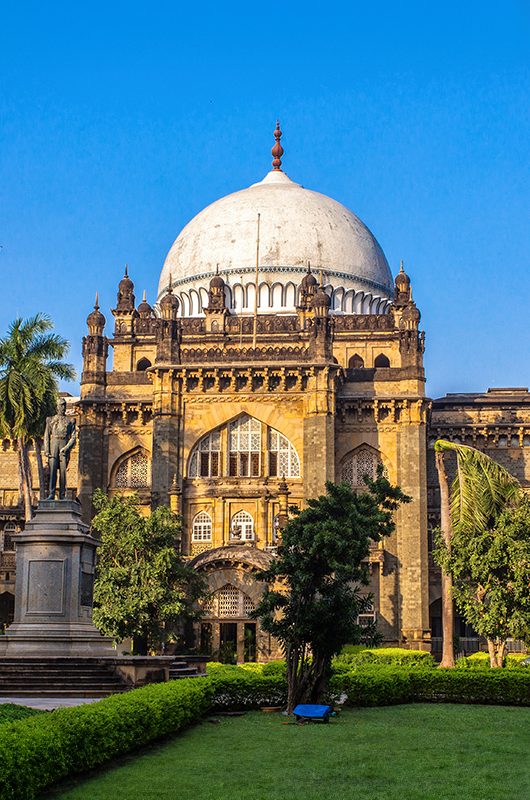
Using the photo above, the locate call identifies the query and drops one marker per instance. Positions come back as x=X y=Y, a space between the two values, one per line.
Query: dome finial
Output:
x=96 y=304
x=277 y=150
x=126 y=270
x=401 y=266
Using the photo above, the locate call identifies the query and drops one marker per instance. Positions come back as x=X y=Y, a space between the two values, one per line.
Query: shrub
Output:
x=397 y=656
x=36 y=752
x=386 y=685
x=9 y=712
x=482 y=661
x=241 y=688
x=382 y=686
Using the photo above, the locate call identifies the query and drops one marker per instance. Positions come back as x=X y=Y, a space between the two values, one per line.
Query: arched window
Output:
x=242 y=527
x=202 y=527
x=356 y=362
x=283 y=458
x=143 y=364
x=382 y=361
x=244 y=443
x=7 y=543
x=228 y=601
x=133 y=472
x=361 y=462
x=205 y=461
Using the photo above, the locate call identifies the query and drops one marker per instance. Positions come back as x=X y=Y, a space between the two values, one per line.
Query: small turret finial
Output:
x=401 y=266
x=96 y=304
x=277 y=150
x=309 y=267
x=170 y=285
x=126 y=270
x=144 y=298
x=217 y=269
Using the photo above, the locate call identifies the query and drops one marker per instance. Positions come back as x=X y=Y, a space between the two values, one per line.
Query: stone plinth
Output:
x=55 y=563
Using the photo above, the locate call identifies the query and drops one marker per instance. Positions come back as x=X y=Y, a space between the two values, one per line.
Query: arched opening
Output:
x=382 y=361
x=133 y=471
x=143 y=364
x=242 y=527
x=202 y=527
x=356 y=362
x=360 y=464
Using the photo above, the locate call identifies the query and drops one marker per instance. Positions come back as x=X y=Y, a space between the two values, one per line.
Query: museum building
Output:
x=280 y=353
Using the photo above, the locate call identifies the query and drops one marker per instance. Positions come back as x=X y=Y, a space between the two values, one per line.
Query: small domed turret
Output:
x=96 y=320
x=402 y=286
x=309 y=280
x=169 y=305
x=144 y=309
x=125 y=293
x=321 y=299
x=217 y=282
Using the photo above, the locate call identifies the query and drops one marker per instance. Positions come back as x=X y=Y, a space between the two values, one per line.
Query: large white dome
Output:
x=297 y=226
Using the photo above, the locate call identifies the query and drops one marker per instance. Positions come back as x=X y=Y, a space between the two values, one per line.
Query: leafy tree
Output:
x=490 y=568
x=31 y=363
x=142 y=587
x=480 y=491
x=314 y=592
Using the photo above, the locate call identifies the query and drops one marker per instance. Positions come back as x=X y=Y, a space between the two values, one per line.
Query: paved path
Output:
x=48 y=703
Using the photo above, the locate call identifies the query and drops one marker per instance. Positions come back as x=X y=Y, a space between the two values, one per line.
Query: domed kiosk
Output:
x=297 y=227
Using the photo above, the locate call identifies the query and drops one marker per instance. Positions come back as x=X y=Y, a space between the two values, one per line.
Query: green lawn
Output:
x=413 y=752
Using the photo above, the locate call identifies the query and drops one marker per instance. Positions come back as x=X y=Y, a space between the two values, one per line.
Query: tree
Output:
x=490 y=568
x=314 y=596
x=142 y=587
x=480 y=491
x=31 y=363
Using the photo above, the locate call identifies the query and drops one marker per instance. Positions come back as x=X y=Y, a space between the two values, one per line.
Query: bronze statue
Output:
x=59 y=438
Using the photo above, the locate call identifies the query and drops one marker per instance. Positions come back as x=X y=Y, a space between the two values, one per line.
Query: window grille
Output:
x=228 y=601
x=133 y=473
x=202 y=527
x=283 y=458
x=360 y=463
x=244 y=441
x=242 y=526
x=205 y=460
x=7 y=543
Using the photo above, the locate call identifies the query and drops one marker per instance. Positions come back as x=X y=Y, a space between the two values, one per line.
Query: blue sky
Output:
x=120 y=121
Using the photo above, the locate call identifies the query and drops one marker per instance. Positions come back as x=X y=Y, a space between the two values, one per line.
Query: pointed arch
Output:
x=356 y=362
x=382 y=361
x=361 y=461
x=132 y=470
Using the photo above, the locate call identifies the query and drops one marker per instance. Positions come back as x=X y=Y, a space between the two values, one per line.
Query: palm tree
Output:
x=482 y=488
x=31 y=362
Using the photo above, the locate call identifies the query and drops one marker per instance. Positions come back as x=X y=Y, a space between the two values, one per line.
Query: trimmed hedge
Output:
x=37 y=752
x=9 y=712
x=397 y=656
x=388 y=686
x=244 y=689
x=482 y=661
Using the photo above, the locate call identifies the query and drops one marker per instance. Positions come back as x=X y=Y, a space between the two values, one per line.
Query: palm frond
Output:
x=481 y=489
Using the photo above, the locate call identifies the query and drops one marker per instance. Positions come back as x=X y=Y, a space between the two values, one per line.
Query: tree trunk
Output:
x=40 y=468
x=25 y=487
x=497 y=652
x=448 y=658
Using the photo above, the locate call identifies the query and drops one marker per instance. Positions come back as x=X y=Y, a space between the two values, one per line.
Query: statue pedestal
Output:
x=55 y=563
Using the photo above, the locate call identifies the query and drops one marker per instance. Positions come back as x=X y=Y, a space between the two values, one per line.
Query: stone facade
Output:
x=231 y=417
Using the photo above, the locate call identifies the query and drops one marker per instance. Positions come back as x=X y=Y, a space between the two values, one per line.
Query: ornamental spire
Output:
x=277 y=150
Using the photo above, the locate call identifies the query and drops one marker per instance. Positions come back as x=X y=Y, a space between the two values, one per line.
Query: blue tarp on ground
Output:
x=309 y=711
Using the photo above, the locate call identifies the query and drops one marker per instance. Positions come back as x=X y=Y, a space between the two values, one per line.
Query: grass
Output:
x=413 y=752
